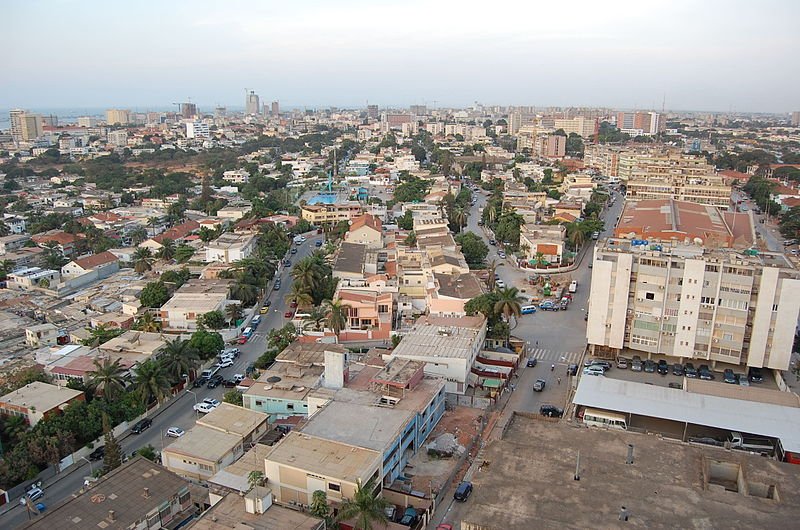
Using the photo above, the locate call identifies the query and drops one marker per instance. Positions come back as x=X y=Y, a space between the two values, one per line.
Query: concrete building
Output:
x=680 y=177
x=118 y=138
x=580 y=125
x=15 y=117
x=197 y=129
x=105 y=261
x=188 y=110
x=194 y=298
x=545 y=239
x=12 y=242
x=236 y=176
x=640 y=123
x=275 y=109
x=229 y=248
x=331 y=214
x=31 y=126
x=683 y=283
x=366 y=230
x=452 y=291
x=448 y=347
x=37 y=401
x=301 y=464
x=41 y=335
x=252 y=104
x=118 y=116
x=33 y=277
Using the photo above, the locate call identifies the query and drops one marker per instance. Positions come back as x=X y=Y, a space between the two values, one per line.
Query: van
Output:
x=256 y=320
x=573 y=286
x=207 y=374
x=527 y=309
x=247 y=332
x=301 y=316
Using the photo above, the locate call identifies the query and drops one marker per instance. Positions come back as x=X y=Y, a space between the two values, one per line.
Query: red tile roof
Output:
x=366 y=220
x=178 y=232
x=62 y=238
x=90 y=262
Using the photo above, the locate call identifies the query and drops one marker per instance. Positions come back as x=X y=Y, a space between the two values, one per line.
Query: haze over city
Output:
x=717 y=55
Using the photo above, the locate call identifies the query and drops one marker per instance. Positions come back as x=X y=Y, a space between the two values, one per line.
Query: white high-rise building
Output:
x=251 y=103
x=118 y=138
x=197 y=129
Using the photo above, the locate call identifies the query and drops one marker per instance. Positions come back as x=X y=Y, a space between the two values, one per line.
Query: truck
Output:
x=751 y=443
x=573 y=286
x=209 y=373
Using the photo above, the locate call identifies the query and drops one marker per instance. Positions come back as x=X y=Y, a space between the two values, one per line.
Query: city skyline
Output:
x=623 y=56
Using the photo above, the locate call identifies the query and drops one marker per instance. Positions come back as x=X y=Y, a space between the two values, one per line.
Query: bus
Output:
x=602 y=418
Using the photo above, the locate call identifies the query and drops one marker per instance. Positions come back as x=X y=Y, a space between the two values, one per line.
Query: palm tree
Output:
x=365 y=507
x=179 y=358
x=307 y=273
x=138 y=235
x=336 y=315
x=234 y=312
x=315 y=319
x=459 y=218
x=151 y=382
x=576 y=235
x=107 y=379
x=147 y=322
x=297 y=293
x=538 y=260
x=245 y=291
x=490 y=280
x=167 y=250
x=509 y=304
x=142 y=260
x=152 y=222
x=15 y=428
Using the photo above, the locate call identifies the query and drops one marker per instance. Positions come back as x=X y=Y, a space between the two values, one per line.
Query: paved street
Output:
x=178 y=412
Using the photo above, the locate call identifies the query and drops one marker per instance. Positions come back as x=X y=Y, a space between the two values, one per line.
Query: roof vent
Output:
x=112 y=516
x=146 y=493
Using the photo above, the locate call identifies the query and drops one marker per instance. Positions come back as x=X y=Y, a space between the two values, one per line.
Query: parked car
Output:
x=649 y=366
x=98 y=454
x=594 y=369
x=728 y=376
x=538 y=386
x=230 y=383
x=238 y=378
x=500 y=284
x=215 y=381
x=203 y=408
x=551 y=411
x=622 y=363
x=293 y=304
x=250 y=368
x=605 y=365
x=677 y=369
x=226 y=362
x=277 y=286
x=663 y=367
x=34 y=492
x=175 y=432
x=531 y=362
x=705 y=372
x=690 y=371
x=548 y=305
x=142 y=425
x=409 y=517
x=463 y=491
x=755 y=375
x=501 y=254
x=242 y=339
x=199 y=382
x=264 y=309
x=268 y=303
x=444 y=526
x=288 y=314
x=636 y=364
x=287 y=263
x=391 y=512
x=493 y=242
x=318 y=243
x=572 y=369
x=294 y=250
x=743 y=381
x=211 y=401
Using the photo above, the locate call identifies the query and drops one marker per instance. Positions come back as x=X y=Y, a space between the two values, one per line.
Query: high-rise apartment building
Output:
x=188 y=110
x=276 y=109
x=676 y=176
x=579 y=125
x=118 y=116
x=373 y=111
x=796 y=118
x=118 y=138
x=678 y=279
x=220 y=112
x=640 y=123
x=16 y=116
x=552 y=146
x=251 y=103
x=31 y=126
x=418 y=110
x=197 y=129
x=397 y=120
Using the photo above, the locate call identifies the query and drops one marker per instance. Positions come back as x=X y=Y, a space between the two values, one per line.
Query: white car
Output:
x=500 y=284
x=226 y=362
x=501 y=253
x=205 y=408
x=175 y=432
x=211 y=401
x=238 y=378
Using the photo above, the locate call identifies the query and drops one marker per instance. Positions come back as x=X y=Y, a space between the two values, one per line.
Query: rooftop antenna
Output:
x=663 y=102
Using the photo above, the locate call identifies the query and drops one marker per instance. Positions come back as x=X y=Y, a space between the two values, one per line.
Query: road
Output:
x=178 y=412
x=766 y=230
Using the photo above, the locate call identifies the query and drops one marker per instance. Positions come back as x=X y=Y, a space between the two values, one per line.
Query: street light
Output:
x=196 y=413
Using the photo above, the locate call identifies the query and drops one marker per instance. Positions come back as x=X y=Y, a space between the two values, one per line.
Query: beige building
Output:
x=229 y=248
x=545 y=239
x=366 y=230
x=301 y=464
x=680 y=177
x=319 y=214
x=691 y=294
x=41 y=335
x=37 y=401
x=194 y=298
x=120 y=116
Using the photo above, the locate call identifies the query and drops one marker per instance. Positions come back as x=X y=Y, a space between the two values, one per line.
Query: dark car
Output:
x=199 y=382
x=572 y=369
x=215 y=381
x=493 y=242
x=98 y=453
x=538 y=386
x=729 y=377
x=463 y=491
x=755 y=375
x=409 y=517
x=531 y=362
x=268 y=303
x=250 y=368
x=690 y=371
x=649 y=366
x=318 y=243
x=551 y=411
x=605 y=365
x=705 y=373
x=142 y=425
x=294 y=250
x=663 y=367
x=677 y=369
x=230 y=383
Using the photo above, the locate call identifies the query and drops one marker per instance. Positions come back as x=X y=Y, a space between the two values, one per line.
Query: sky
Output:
x=712 y=55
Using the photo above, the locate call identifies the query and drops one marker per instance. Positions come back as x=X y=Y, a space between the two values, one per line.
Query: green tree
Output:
x=509 y=303
x=255 y=478
x=406 y=221
x=183 y=253
x=167 y=250
x=365 y=508
x=410 y=240
x=308 y=273
x=148 y=323
x=154 y=294
x=301 y=295
x=319 y=506
x=213 y=320
x=142 y=260
x=337 y=315
x=112 y=458
x=138 y=235
x=234 y=397
x=473 y=248
x=100 y=334
x=150 y=382
x=108 y=378
x=148 y=452
x=207 y=343
x=179 y=358
x=234 y=312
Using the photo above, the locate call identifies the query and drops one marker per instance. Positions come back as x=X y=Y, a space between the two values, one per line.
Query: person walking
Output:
x=559 y=380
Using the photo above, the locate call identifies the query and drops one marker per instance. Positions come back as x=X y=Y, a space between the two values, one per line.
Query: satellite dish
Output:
x=267 y=387
x=698 y=241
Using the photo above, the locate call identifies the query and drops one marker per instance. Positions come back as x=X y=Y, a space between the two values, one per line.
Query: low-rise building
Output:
x=202 y=452
x=12 y=242
x=33 y=277
x=542 y=242
x=366 y=230
x=234 y=212
x=236 y=176
x=194 y=298
x=452 y=292
x=229 y=248
x=41 y=335
x=37 y=401
x=105 y=264
x=330 y=214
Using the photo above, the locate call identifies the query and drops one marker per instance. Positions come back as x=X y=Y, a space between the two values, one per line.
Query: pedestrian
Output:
x=559 y=380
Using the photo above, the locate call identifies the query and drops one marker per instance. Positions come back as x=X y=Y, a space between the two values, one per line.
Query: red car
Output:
x=289 y=314
x=242 y=339
x=293 y=304
x=444 y=526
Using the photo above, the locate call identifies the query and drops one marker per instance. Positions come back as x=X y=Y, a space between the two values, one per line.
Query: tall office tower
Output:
x=372 y=111
x=123 y=117
x=16 y=116
x=31 y=126
x=514 y=122
x=796 y=118
x=251 y=103
x=276 y=109
x=188 y=110
x=640 y=123
x=220 y=112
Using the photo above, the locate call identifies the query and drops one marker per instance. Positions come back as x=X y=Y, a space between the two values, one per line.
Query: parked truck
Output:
x=751 y=443
x=573 y=286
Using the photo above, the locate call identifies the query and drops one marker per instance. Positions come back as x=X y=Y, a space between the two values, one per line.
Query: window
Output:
x=774 y=307
x=259 y=403
x=650 y=296
x=290 y=406
x=334 y=487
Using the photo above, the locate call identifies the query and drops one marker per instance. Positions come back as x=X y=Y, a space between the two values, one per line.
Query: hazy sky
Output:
x=703 y=55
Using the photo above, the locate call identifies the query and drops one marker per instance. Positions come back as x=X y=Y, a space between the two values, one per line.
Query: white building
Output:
x=118 y=138
x=237 y=176
x=229 y=248
x=196 y=129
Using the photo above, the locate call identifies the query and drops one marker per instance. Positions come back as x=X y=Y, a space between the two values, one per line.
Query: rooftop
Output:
x=233 y=420
x=351 y=258
x=308 y=353
x=121 y=491
x=204 y=443
x=43 y=396
x=229 y=240
x=134 y=342
x=463 y=286
x=441 y=337
x=670 y=485
x=230 y=514
x=325 y=457
x=95 y=260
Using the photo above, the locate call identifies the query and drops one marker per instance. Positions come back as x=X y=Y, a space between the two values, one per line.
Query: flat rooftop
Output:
x=230 y=514
x=755 y=417
x=308 y=353
x=286 y=381
x=351 y=258
x=441 y=337
x=135 y=342
x=529 y=478
x=204 y=443
x=325 y=457
x=43 y=396
x=233 y=420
